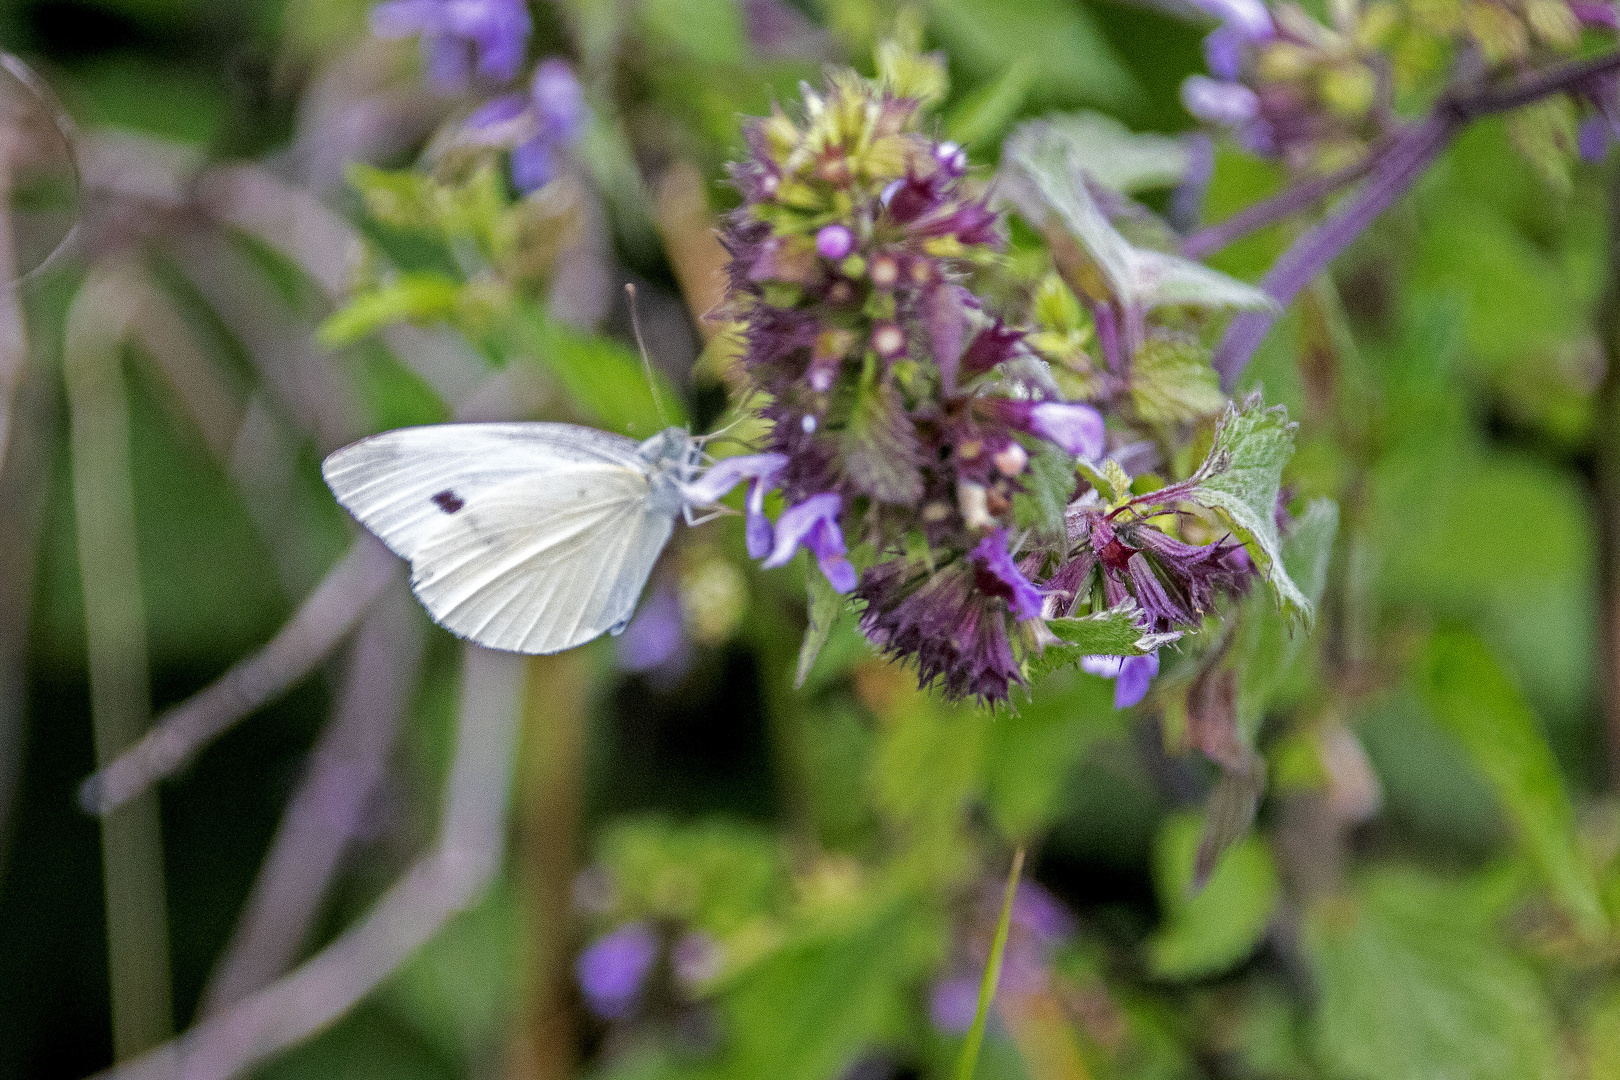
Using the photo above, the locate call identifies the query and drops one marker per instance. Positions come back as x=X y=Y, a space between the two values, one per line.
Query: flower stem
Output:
x=1407 y=157
x=992 y=974
x=1281 y=206
x=1606 y=483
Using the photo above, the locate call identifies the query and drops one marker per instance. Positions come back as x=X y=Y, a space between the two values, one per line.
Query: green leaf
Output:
x=1043 y=175
x=1173 y=383
x=1114 y=632
x=605 y=380
x=709 y=32
x=1117 y=157
x=398 y=198
x=825 y=607
x=1229 y=813
x=1475 y=700
x=1207 y=931
x=879 y=446
x=1412 y=984
x=985 y=113
x=415 y=297
x=1048 y=483
x=1240 y=477
x=1072 y=58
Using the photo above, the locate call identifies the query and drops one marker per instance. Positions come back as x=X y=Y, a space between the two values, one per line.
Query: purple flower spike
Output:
x=998 y=575
x=725 y=475
x=814 y=523
x=1131 y=674
x=953 y=1004
x=1229 y=104
x=1078 y=429
x=834 y=242
x=612 y=970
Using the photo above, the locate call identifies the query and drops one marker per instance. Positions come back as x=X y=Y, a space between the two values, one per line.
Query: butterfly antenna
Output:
x=646 y=363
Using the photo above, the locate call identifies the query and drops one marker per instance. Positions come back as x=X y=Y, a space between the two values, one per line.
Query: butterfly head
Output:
x=675 y=453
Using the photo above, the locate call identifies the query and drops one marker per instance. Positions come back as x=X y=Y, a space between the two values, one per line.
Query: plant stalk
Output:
x=992 y=974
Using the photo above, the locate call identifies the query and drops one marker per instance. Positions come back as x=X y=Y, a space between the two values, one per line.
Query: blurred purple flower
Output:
x=834 y=242
x=953 y=1004
x=1042 y=914
x=1229 y=104
x=460 y=37
x=997 y=575
x=762 y=469
x=695 y=958
x=613 y=968
x=655 y=642
x=814 y=523
x=1594 y=137
x=539 y=126
x=1131 y=674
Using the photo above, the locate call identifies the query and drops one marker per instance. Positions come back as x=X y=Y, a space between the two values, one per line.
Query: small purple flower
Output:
x=613 y=968
x=1042 y=914
x=998 y=575
x=460 y=37
x=814 y=523
x=762 y=469
x=951 y=157
x=1131 y=675
x=1229 y=104
x=834 y=242
x=1078 y=429
x=953 y=1004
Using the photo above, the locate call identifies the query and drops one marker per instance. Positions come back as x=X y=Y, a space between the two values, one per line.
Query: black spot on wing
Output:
x=449 y=501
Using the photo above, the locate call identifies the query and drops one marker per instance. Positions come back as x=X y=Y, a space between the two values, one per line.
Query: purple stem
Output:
x=1205 y=242
x=1408 y=156
x=1390 y=174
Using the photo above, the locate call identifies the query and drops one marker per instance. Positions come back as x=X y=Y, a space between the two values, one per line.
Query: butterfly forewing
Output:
x=526 y=537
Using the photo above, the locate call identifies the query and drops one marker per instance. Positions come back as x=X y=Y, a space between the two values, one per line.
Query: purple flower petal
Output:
x=612 y=969
x=999 y=576
x=1131 y=675
x=1594 y=138
x=558 y=101
x=1078 y=429
x=725 y=475
x=407 y=18
x=497 y=115
x=655 y=636
x=814 y=524
x=1249 y=17
x=534 y=164
x=1229 y=104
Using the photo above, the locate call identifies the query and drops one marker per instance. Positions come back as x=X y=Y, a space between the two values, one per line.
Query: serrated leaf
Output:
x=1475 y=700
x=825 y=606
x=1044 y=176
x=879 y=446
x=1229 y=813
x=1048 y=482
x=1114 y=632
x=1173 y=383
x=1240 y=478
x=1206 y=931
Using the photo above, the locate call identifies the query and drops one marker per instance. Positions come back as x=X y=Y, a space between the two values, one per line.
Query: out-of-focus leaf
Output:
x=987 y=112
x=716 y=876
x=1114 y=632
x=805 y=1011
x=1228 y=814
x=1172 y=382
x=1240 y=477
x=413 y=297
x=605 y=380
x=1472 y=696
x=1268 y=648
x=1118 y=158
x=1602 y=1031
x=709 y=32
x=1207 y=931
x=1030 y=754
x=1073 y=61
x=1043 y=175
x=1412 y=984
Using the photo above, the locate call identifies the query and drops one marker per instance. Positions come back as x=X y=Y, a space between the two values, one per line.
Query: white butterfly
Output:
x=525 y=537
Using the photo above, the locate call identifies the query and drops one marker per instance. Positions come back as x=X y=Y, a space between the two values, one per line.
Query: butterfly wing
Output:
x=526 y=537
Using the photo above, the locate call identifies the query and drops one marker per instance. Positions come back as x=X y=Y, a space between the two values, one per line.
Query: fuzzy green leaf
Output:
x=825 y=606
x=879 y=446
x=1117 y=157
x=417 y=298
x=1048 y=483
x=1173 y=383
x=1114 y=632
x=1240 y=478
